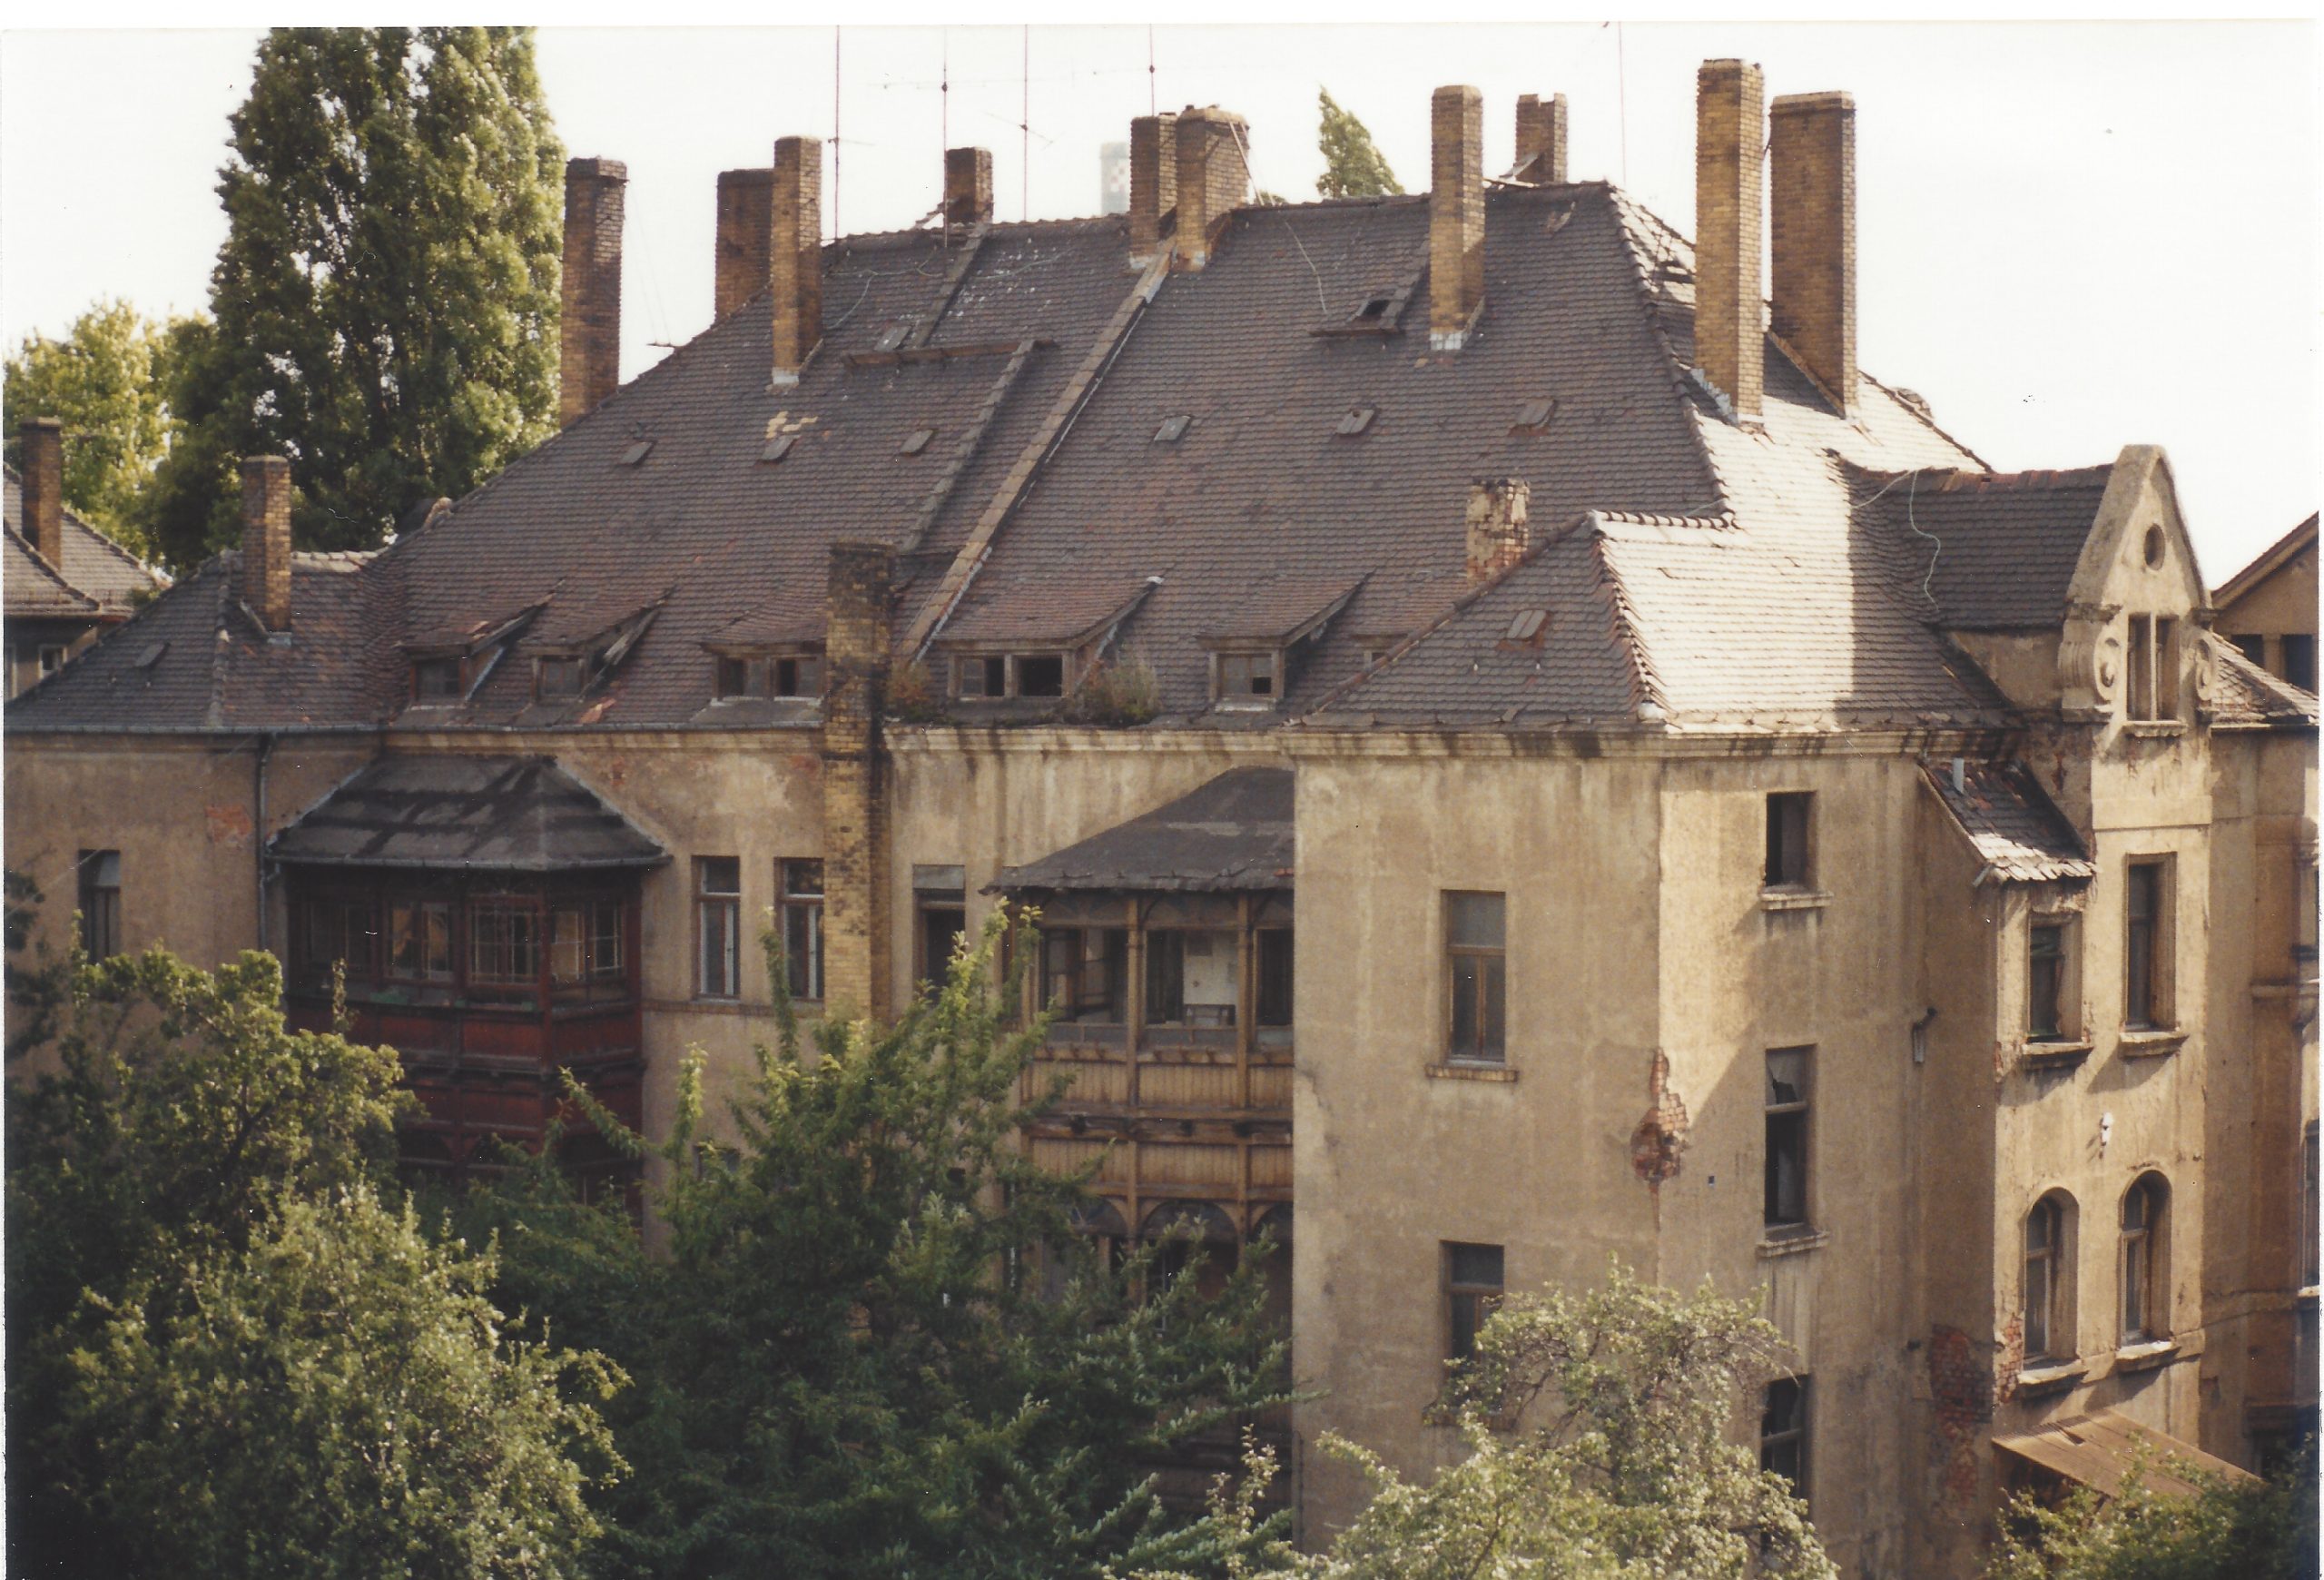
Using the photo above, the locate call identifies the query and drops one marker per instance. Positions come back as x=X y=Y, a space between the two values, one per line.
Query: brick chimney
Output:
x=1153 y=181
x=589 y=353
x=1456 y=214
x=1730 y=130
x=266 y=540
x=1811 y=180
x=1499 y=535
x=1541 y=139
x=857 y=641
x=1214 y=175
x=796 y=273
x=745 y=235
x=968 y=186
x=43 y=440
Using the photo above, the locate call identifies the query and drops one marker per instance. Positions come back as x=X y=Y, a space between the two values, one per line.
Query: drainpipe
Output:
x=258 y=831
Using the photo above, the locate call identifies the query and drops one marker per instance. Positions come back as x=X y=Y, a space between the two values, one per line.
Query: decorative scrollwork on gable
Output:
x=2090 y=663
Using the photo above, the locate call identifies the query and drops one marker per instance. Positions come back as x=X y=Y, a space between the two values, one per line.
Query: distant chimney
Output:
x=589 y=360
x=266 y=540
x=1541 y=139
x=43 y=438
x=1730 y=130
x=968 y=186
x=1214 y=176
x=797 y=269
x=1456 y=214
x=1811 y=159
x=858 y=633
x=1153 y=181
x=745 y=235
x=1498 y=533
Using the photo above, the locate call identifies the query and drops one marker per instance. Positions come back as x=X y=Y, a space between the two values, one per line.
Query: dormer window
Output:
x=557 y=679
x=1248 y=677
x=771 y=675
x=435 y=680
x=993 y=677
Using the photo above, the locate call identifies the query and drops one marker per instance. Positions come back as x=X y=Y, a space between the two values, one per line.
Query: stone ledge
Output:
x=2045 y=1058
x=2149 y=1044
x=1793 y=1243
x=2146 y=1357
x=2155 y=729
x=1454 y=1069
x=1793 y=899
x=2035 y=1381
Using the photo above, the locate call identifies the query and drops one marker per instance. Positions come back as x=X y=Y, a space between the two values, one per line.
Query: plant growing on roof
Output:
x=1352 y=166
x=1119 y=692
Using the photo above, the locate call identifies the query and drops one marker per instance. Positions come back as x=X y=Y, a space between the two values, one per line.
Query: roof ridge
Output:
x=1681 y=383
x=2267 y=559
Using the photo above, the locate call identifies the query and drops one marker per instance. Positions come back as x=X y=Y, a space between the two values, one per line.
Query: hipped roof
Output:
x=1233 y=835
x=448 y=813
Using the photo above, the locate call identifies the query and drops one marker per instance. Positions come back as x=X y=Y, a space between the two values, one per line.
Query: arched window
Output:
x=2049 y=1280
x=1194 y=1234
x=2145 y=1243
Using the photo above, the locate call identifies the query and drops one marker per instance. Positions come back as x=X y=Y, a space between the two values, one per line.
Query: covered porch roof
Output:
x=460 y=813
x=1234 y=833
x=2101 y=1449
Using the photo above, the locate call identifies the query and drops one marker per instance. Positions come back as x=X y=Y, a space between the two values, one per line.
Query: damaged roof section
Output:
x=2015 y=827
x=2248 y=697
x=477 y=814
x=1233 y=835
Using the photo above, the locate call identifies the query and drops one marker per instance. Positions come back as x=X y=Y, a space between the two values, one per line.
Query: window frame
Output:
x=390 y=970
x=439 y=665
x=100 y=902
x=1010 y=672
x=718 y=911
x=1489 y=985
x=1252 y=666
x=2057 y=1344
x=2148 y=1001
x=2065 y=987
x=2141 y=1261
x=1789 y=866
x=800 y=910
x=1787 y=1115
x=535 y=909
x=2150 y=654
x=1468 y=1303
x=1794 y=1437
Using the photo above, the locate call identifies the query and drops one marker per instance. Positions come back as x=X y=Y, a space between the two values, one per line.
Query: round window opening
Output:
x=2154 y=546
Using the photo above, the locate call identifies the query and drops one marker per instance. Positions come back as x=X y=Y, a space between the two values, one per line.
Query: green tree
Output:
x=2230 y=1530
x=106 y=380
x=1353 y=167
x=1627 y=1472
x=386 y=300
x=872 y=1342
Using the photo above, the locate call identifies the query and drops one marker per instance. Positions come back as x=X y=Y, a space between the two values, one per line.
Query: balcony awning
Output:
x=1233 y=835
x=464 y=814
x=2099 y=1449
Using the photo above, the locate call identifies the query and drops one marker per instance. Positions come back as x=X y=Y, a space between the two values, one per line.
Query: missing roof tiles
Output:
x=636 y=452
x=917 y=441
x=1174 y=428
x=1533 y=417
x=1356 y=421
x=778 y=446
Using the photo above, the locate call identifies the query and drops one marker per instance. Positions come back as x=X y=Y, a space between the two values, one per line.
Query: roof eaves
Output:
x=2266 y=561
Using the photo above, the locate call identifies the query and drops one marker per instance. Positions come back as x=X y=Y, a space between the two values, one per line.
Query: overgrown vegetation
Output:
x=2230 y=1530
x=1119 y=692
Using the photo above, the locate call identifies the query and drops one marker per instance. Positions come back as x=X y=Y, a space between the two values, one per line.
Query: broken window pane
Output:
x=420 y=940
x=1472 y=1288
x=1040 y=675
x=1247 y=674
x=1085 y=973
x=1192 y=978
x=1783 y=1431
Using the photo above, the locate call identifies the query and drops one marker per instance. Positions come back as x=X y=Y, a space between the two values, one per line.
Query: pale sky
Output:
x=2071 y=236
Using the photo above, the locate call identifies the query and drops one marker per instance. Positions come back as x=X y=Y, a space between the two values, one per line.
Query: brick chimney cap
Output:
x=602 y=169
x=1728 y=68
x=1811 y=103
x=762 y=177
x=264 y=463
x=800 y=142
x=1461 y=89
x=42 y=422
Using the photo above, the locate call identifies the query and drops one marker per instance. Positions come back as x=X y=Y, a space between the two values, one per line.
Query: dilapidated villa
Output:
x=1526 y=754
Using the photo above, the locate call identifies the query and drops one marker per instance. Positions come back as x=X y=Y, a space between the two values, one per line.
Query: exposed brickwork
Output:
x=1961 y=1388
x=1456 y=214
x=968 y=186
x=796 y=267
x=1214 y=175
x=1660 y=1138
x=1541 y=139
x=855 y=819
x=1153 y=181
x=43 y=441
x=589 y=353
x=266 y=540
x=1730 y=123
x=1499 y=530
x=745 y=235
x=1811 y=200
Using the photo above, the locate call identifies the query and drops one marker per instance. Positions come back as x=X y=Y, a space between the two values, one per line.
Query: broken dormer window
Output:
x=557 y=679
x=1247 y=676
x=776 y=674
x=1174 y=428
x=1374 y=307
x=991 y=677
x=1356 y=421
x=435 y=680
x=1040 y=675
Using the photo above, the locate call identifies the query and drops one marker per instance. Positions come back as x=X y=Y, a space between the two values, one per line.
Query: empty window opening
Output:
x=1788 y=816
x=1472 y=1288
x=2153 y=668
x=2299 y=660
x=1374 y=307
x=1786 y=1162
x=1477 y=976
x=718 y=911
x=2254 y=647
x=2146 y=976
x=100 y=903
x=51 y=660
x=789 y=675
x=2309 y=1225
x=2048 y=1328
x=800 y=885
x=1040 y=675
x=1274 y=978
x=1783 y=1432
x=1084 y=975
x=939 y=904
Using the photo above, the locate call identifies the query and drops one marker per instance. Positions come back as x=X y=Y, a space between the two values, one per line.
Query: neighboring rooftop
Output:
x=99 y=578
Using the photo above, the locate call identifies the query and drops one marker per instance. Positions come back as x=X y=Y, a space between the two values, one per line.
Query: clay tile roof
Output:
x=94 y=566
x=794 y=614
x=2248 y=697
x=1284 y=609
x=490 y=813
x=1235 y=833
x=34 y=587
x=2016 y=829
x=1983 y=550
x=1048 y=611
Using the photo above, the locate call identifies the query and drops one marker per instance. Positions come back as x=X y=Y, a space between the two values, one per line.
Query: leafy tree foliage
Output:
x=845 y=1360
x=2230 y=1530
x=1628 y=1471
x=225 y=1355
x=105 y=380
x=1353 y=167
x=386 y=300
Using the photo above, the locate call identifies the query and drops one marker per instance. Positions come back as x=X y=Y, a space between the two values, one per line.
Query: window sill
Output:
x=2053 y=1379
x=2155 y=729
x=1793 y=899
x=2046 y=1057
x=2306 y=1298
x=1470 y=1069
x=2153 y=1044
x=1791 y=1241
x=2146 y=1357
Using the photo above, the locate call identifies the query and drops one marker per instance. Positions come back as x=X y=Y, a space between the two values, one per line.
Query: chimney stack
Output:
x=745 y=235
x=266 y=540
x=968 y=186
x=857 y=637
x=1214 y=175
x=1153 y=181
x=1811 y=159
x=43 y=438
x=797 y=269
x=1456 y=214
x=1499 y=535
x=589 y=353
x=1729 y=129
x=1541 y=139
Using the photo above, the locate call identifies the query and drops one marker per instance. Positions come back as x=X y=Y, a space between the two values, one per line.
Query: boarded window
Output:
x=1783 y=1432
x=1247 y=674
x=100 y=900
x=1476 y=972
x=1472 y=1288
x=1788 y=817
x=1787 y=1144
x=718 y=906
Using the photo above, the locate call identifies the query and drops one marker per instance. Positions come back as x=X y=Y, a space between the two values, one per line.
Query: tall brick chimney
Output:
x=1456 y=214
x=1811 y=180
x=745 y=235
x=43 y=438
x=856 y=641
x=1214 y=175
x=266 y=540
x=589 y=353
x=968 y=186
x=1729 y=129
x=1153 y=181
x=1499 y=534
x=797 y=268
x=1541 y=139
